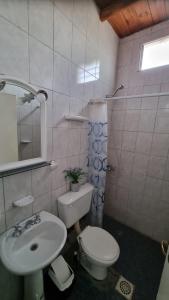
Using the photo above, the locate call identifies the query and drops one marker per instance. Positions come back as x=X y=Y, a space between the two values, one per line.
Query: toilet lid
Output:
x=98 y=243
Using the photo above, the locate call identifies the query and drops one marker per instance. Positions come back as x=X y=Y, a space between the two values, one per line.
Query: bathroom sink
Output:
x=36 y=246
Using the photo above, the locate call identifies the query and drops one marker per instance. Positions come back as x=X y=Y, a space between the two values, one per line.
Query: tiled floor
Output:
x=141 y=262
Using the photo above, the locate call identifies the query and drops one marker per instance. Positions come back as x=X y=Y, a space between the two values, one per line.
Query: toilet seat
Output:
x=99 y=244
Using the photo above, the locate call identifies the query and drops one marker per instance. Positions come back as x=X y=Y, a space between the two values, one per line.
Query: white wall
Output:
x=48 y=44
x=138 y=189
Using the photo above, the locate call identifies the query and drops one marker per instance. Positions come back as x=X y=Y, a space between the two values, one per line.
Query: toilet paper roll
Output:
x=61 y=269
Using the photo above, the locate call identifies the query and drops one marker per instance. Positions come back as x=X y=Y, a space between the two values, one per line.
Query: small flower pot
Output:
x=74 y=187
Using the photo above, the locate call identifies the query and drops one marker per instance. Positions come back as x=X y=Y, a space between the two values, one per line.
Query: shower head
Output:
x=121 y=87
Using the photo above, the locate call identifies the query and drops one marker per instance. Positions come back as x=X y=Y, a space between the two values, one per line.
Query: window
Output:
x=155 y=54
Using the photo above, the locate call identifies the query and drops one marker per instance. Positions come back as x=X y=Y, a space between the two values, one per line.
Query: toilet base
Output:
x=96 y=271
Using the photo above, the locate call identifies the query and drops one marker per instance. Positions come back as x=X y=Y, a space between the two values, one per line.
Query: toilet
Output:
x=98 y=248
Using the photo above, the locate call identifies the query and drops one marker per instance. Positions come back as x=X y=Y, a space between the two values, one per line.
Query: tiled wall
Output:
x=138 y=189
x=62 y=47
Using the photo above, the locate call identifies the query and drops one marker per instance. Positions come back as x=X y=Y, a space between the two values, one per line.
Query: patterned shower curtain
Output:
x=97 y=164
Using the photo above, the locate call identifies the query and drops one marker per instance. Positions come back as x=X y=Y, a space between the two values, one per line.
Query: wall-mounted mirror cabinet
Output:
x=22 y=124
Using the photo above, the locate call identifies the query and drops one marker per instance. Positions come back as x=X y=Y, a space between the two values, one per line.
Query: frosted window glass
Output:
x=155 y=54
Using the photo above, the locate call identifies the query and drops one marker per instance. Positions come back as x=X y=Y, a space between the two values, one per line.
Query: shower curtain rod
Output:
x=103 y=100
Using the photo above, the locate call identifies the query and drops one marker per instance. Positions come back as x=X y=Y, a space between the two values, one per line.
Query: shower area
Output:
x=137 y=188
x=129 y=162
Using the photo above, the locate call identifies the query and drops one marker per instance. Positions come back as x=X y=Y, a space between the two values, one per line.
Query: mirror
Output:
x=22 y=124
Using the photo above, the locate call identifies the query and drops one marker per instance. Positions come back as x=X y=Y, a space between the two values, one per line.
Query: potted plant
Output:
x=74 y=175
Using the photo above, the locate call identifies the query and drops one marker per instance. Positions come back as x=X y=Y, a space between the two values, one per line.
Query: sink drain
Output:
x=34 y=247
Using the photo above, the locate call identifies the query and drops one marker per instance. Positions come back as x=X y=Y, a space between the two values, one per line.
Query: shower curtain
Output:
x=97 y=159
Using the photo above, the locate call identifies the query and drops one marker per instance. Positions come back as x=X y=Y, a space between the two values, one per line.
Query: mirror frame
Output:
x=39 y=93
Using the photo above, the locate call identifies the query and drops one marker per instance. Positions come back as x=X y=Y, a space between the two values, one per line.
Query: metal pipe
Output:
x=121 y=87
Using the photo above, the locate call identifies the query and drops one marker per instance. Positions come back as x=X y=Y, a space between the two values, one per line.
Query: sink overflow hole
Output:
x=34 y=247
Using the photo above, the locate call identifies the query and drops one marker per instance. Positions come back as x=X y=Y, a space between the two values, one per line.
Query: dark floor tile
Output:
x=140 y=262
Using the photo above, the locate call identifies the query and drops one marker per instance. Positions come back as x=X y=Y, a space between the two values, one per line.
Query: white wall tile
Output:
x=61 y=80
x=147 y=120
x=115 y=139
x=42 y=203
x=129 y=141
x=61 y=104
x=14 y=51
x=66 y=7
x=156 y=167
x=134 y=103
x=16 y=12
x=163 y=102
x=16 y=187
x=126 y=162
x=80 y=11
x=118 y=120
x=132 y=120
x=62 y=34
x=160 y=145
x=78 y=48
x=140 y=165
x=41 y=64
x=153 y=188
x=2 y=223
x=1 y=197
x=41 y=181
x=41 y=21
x=149 y=183
x=16 y=215
x=28 y=53
x=77 y=81
x=58 y=175
x=143 y=143
x=60 y=142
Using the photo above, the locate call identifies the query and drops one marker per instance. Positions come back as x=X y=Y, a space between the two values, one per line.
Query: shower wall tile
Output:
x=147 y=120
x=160 y=145
x=156 y=167
x=129 y=141
x=140 y=164
x=162 y=121
x=115 y=139
x=132 y=118
x=143 y=143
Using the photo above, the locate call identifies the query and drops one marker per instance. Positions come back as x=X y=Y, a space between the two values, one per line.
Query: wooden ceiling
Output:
x=129 y=16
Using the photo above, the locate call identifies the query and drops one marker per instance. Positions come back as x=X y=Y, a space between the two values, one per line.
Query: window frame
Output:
x=142 y=52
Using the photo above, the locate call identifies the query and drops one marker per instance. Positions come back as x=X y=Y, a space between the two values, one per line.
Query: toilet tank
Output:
x=72 y=206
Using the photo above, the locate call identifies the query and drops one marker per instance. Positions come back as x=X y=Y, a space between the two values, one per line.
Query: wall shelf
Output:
x=77 y=118
x=26 y=141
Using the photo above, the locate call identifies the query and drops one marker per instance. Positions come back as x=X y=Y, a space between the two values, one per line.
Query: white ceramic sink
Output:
x=36 y=247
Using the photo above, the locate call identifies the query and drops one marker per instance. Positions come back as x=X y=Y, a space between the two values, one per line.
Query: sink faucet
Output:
x=18 y=229
x=35 y=220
